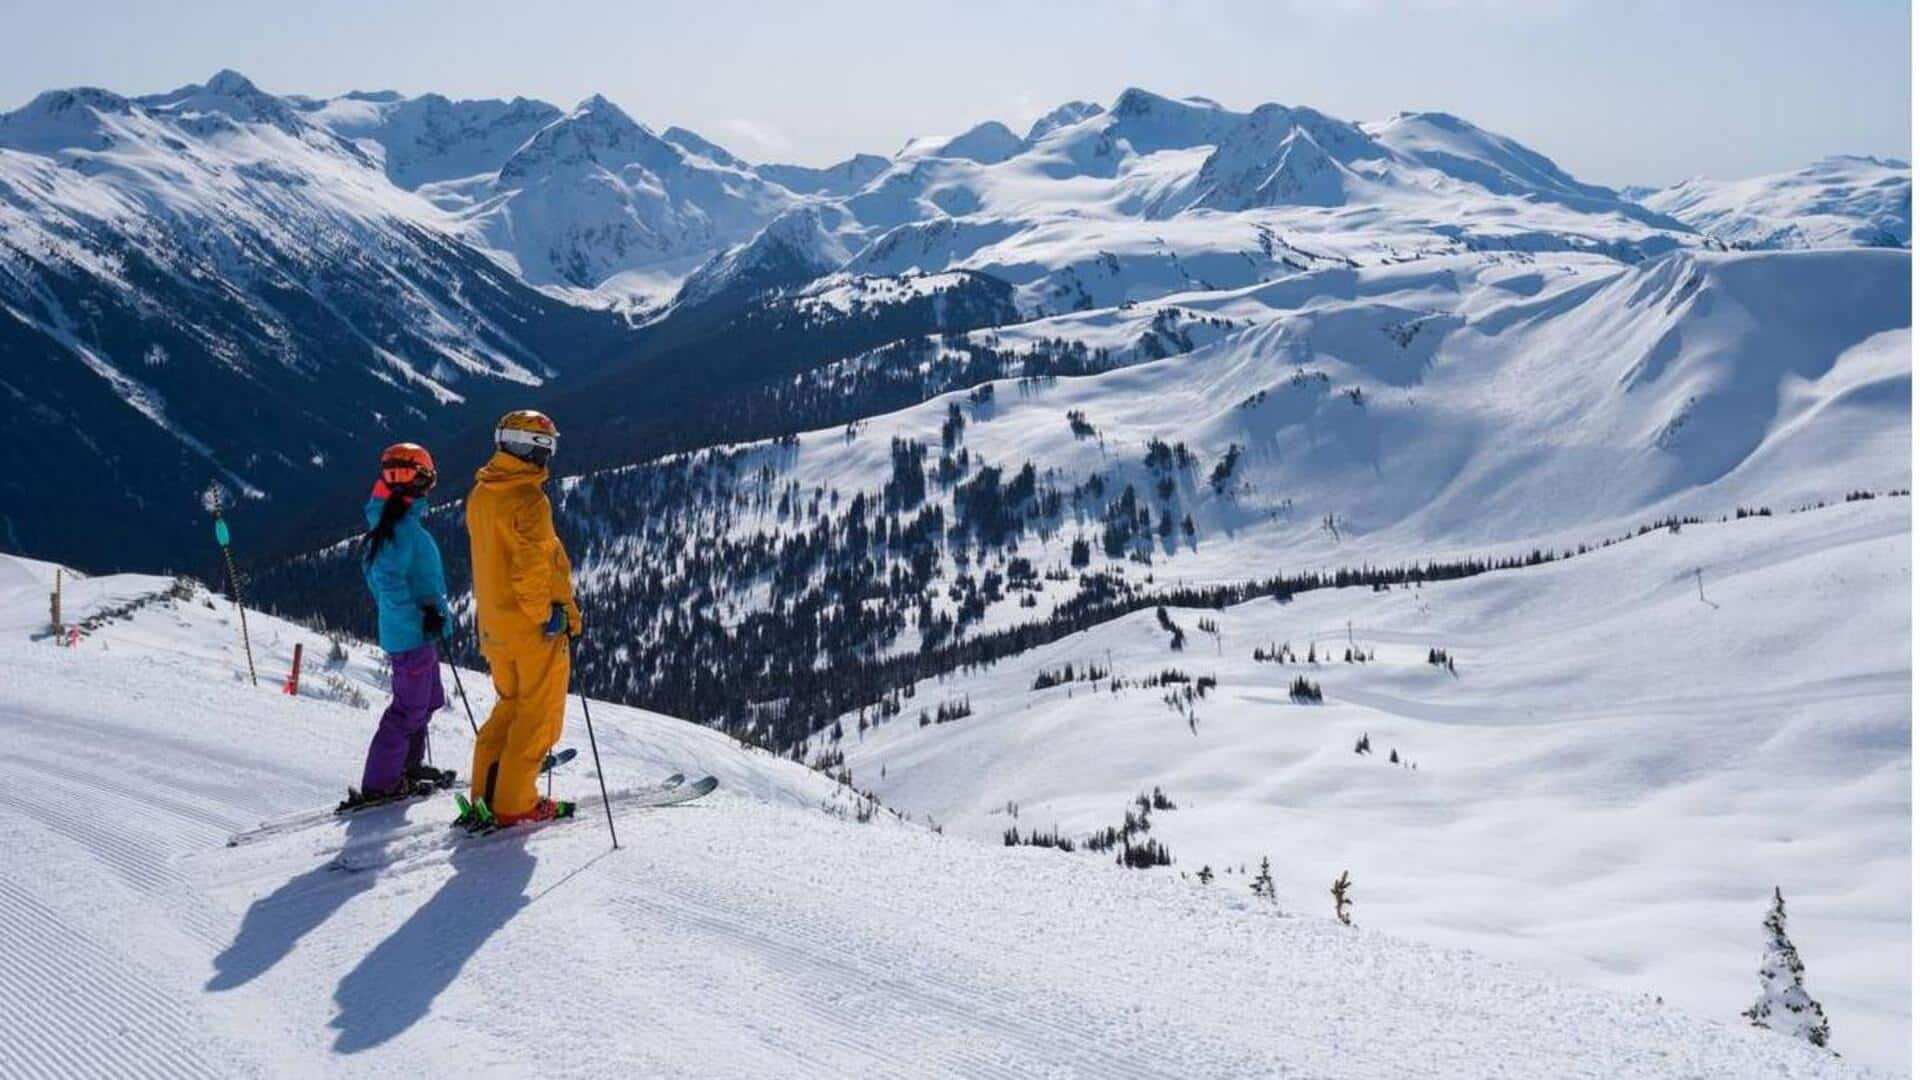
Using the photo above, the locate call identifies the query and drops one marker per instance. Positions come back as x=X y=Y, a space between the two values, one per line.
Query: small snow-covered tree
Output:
x=1263 y=885
x=1343 y=899
x=1784 y=1004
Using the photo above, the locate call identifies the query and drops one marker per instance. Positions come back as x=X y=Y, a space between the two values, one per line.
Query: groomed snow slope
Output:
x=1610 y=784
x=749 y=935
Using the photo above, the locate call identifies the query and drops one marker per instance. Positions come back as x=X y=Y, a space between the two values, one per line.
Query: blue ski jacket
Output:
x=404 y=577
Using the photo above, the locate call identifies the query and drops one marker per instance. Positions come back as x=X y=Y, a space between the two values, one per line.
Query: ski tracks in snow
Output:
x=99 y=928
x=76 y=1007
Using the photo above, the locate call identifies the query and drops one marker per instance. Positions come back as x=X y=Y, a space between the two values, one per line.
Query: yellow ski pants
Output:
x=525 y=723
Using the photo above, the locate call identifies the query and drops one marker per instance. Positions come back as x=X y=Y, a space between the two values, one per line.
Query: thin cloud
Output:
x=759 y=136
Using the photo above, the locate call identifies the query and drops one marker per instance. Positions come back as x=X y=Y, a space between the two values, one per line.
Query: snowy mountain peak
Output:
x=989 y=144
x=431 y=138
x=1150 y=122
x=62 y=119
x=230 y=95
x=1274 y=159
x=596 y=132
x=1497 y=163
x=792 y=249
x=1071 y=113
x=1845 y=200
x=694 y=144
x=597 y=115
x=1133 y=101
x=598 y=103
x=229 y=83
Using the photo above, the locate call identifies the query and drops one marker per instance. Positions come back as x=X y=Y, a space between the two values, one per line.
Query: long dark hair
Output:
x=391 y=512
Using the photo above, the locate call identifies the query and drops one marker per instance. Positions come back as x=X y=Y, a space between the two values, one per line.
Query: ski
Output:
x=412 y=844
x=308 y=819
x=558 y=758
x=475 y=818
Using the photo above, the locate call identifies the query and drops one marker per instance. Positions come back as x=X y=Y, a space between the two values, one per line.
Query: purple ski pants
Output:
x=401 y=739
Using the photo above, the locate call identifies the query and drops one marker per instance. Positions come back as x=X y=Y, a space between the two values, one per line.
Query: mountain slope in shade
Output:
x=790 y=251
x=1835 y=202
x=182 y=273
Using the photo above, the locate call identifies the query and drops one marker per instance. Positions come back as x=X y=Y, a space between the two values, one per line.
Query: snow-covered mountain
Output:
x=892 y=444
x=205 y=284
x=429 y=139
x=780 y=926
x=1094 y=205
x=1154 y=196
x=1836 y=202
x=1444 y=408
x=841 y=178
x=595 y=195
x=1623 y=754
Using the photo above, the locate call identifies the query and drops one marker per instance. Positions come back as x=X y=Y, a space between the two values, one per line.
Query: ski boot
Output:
x=362 y=800
x=474 y=815
x=440 y=778
x=543 y=810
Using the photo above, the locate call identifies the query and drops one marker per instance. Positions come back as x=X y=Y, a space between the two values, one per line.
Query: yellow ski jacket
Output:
x=519 y=568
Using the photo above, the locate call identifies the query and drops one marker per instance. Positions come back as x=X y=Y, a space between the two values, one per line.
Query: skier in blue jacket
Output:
x=402 y=566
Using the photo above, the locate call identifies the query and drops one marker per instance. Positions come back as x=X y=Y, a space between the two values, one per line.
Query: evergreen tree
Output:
x=1263 y=885
x=1784 y=1004
x=1342 y=899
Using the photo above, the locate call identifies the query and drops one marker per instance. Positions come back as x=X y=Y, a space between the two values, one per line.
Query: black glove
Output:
x=431 y=621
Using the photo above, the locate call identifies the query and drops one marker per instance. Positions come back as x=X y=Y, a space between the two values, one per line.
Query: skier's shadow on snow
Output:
x=395 y=984
x=276 y=922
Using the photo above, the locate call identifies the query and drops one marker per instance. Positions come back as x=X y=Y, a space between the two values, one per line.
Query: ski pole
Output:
x=597 y=771
x=220 y=533
x=447 y=643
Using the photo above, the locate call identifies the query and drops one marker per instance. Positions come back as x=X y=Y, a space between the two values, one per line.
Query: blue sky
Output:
x=1630 y=91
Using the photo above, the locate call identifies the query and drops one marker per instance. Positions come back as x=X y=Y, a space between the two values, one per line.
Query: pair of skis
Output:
x=426 y=781
x=431 y=842
x=479 y=820
x=669 y=792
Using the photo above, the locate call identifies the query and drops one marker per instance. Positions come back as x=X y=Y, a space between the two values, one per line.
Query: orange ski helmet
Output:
x=407 y=469
x=527 y=434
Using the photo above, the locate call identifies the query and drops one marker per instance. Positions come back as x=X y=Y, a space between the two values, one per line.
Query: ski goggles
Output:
x=523 y=441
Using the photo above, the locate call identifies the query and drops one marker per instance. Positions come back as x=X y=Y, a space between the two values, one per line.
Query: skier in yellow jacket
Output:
x=523 y=601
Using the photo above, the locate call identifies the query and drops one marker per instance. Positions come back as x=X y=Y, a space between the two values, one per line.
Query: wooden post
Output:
x=293 y=677
x=57 y=623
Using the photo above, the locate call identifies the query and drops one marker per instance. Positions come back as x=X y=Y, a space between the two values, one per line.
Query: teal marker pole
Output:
x=225 y=537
